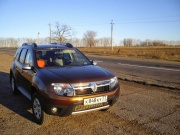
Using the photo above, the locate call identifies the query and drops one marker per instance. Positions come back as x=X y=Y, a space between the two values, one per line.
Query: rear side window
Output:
x=17 y=54
x=22 y=56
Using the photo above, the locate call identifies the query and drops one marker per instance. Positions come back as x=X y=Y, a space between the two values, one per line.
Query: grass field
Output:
x=170 y=53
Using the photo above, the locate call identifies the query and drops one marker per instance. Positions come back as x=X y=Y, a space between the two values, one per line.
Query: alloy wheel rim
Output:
x=37 y=108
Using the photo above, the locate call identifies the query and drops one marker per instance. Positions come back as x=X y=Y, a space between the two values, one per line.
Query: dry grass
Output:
x=170 y=53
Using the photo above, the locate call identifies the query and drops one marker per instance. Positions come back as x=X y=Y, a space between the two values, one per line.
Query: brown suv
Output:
x=60 y=80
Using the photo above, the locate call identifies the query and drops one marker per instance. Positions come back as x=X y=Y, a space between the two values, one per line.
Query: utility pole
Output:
x=49 y=32
x=112 y=35
x=38 y=37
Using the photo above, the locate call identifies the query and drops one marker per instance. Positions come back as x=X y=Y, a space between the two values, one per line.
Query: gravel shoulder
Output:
x=140 y=109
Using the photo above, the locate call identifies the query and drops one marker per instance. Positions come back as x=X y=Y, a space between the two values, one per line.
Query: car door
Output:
x=28 y=74
x=18 y=66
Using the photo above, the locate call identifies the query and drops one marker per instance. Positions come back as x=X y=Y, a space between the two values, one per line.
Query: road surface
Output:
x=160 y=73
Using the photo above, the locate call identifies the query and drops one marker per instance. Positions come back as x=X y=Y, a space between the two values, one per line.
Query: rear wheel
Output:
x=40 y=116
x=13 y=86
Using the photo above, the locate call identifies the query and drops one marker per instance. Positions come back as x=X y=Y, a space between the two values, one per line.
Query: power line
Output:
x=90 y=24
x=123 y=22
x=165 y=21
x=131 y=21
x=149 y=18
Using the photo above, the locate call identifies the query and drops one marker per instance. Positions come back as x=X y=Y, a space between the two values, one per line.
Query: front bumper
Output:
x=66 y=106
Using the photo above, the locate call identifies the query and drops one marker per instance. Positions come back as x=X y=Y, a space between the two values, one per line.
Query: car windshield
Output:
x=60 y=58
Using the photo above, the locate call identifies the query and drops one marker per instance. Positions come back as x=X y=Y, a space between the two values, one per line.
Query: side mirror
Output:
x=93 y=62
x=26 y=67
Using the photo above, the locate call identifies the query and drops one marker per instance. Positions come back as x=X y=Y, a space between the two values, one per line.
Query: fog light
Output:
x=54 y=109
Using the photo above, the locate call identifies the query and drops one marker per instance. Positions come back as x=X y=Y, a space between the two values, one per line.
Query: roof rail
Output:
x=30 y=43
x=69 y=45
x=65 y=44
x=56 y=43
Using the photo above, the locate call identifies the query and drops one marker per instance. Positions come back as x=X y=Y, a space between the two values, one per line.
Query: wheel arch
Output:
x=33 y=90
x=10 y=75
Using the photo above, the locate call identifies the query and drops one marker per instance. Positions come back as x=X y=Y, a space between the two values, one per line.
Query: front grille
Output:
x=89 y=90
x=84 y=108
x=83 y=91
x=102 y=89
x=91 y=87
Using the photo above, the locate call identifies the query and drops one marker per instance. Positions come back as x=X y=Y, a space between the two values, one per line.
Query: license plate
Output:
x=95 y=100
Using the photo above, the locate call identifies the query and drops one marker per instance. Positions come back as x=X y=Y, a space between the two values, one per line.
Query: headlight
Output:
x=114 y=83
x=63 y=89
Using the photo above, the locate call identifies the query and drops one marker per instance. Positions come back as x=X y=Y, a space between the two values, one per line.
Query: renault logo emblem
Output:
x=93 y=86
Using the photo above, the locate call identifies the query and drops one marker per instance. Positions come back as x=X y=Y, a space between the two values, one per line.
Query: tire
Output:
x=13 y=86
x=40 y=116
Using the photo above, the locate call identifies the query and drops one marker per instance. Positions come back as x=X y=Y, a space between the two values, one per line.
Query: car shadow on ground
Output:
x=16 y=103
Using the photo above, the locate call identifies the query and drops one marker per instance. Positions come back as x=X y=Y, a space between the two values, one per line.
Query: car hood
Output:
x=75 y=74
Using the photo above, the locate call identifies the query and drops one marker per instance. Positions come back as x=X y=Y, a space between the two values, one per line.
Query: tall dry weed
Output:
x=171 y=53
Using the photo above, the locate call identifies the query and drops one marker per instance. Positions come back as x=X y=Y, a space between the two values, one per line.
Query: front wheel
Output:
x=40 y=116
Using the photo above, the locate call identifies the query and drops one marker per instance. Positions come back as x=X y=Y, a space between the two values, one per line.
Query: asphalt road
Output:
x=159 y=73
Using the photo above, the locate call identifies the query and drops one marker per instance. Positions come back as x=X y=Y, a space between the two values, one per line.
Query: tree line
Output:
x=88 y=42
x=64 y=33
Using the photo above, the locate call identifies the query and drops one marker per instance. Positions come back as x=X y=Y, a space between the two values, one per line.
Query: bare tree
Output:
x=89 y=38
x=129 y=42
x=61 y=32
x=107 y=41
x=30 y=40
x=103 y=42
x=8 y=42
x=125 y=42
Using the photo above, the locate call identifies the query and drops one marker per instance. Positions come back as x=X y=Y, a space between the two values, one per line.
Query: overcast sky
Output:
x=138 y=19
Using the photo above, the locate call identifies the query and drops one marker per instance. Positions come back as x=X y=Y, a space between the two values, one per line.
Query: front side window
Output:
x=61 y=58
x=22 y=56
x=28 y=59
